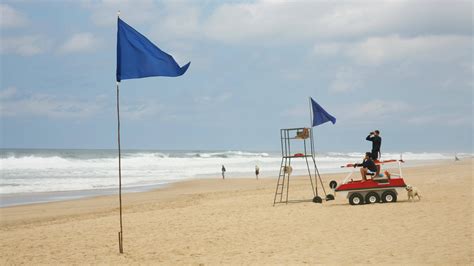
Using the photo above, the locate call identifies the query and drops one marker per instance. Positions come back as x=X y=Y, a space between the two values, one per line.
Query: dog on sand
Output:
x=412 y=192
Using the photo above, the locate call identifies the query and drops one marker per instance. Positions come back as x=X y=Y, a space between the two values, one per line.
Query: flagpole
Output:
x=120 y=234
x=312 y=146
x=311 y=124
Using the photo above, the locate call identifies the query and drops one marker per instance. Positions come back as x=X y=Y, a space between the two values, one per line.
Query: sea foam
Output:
x=28 y=171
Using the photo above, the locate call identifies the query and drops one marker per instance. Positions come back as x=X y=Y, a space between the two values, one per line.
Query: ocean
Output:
x=43 y=175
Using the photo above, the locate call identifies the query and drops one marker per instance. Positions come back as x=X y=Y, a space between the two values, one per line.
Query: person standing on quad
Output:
x=376 y=143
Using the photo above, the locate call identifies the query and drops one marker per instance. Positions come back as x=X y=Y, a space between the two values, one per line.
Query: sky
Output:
x=402 y=67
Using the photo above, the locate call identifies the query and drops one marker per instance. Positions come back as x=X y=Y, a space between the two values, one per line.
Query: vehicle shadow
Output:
x=345 y=204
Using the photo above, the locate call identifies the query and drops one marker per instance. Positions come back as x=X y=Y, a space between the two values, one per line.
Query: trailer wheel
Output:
x=333 y=184
x=356 y=199
x=389 y=196
x=372 y=197
x=317 y=199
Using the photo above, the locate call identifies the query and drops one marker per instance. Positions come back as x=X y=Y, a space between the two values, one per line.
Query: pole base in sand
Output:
x=120 y=242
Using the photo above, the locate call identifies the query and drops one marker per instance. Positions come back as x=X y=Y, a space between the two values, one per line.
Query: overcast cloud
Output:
x=404 y=67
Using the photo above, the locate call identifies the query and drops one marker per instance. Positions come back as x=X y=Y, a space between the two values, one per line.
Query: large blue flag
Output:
x=320 y=116
x=138 y=57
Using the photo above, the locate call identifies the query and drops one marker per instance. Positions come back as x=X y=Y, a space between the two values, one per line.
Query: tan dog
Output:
x=287 y=169
x=412 y=192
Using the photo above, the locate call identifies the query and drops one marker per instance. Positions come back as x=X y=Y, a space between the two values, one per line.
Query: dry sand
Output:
x=234 y=222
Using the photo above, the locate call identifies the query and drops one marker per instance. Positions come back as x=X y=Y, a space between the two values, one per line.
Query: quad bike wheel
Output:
x=389 y=196
x=372 y=197
x=356 y=199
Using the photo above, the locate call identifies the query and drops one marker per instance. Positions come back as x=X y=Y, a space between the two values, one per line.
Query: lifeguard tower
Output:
x=300 y=140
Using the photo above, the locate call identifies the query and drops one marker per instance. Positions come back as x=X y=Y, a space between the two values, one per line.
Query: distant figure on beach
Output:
x=257 y=171
x=456 y=157
x=367 y=164
x=374 y=136
x=223 y=172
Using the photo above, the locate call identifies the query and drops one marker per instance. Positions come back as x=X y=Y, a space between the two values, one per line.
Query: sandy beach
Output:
x=232 y=221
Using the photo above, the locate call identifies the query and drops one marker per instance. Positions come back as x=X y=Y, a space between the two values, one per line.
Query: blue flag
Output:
x=320 y=116
x=137 y=57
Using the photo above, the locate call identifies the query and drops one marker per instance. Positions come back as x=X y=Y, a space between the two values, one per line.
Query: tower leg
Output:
x=278 y=181
x=288 y=181
x=319 y=177
x=311 y=178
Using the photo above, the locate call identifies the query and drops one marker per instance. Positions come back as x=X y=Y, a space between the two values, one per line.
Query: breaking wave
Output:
x=27 y=171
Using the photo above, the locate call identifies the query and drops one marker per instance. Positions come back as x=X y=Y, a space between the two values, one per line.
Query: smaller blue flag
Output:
x=320 y=116
x=137 y=57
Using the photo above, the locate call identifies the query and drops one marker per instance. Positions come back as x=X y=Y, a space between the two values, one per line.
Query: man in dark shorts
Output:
x=367 y=164
x=376 y=143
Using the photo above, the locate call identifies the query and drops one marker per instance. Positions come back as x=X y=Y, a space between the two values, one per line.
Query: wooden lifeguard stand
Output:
x=289 y=138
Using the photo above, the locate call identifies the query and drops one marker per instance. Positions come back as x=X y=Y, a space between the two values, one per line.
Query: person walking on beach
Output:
x=257 y=171
x=223 y=172
x=376 y=143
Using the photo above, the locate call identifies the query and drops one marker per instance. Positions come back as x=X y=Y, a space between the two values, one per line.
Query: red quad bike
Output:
x=378 y=189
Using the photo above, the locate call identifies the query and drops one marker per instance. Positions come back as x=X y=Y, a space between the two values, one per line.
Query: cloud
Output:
x=403 y=114
x=449 y=119
x=375 y=51
x=141 y=110
x=327 y=49
x=378 y=50
x=214 y=99
x=295 y=111
x=380 y=108
x=21 y=103
x=16 y=103
x=346 y=79
x=279 y=21
x=81 y=42
x=103 y=12
x=374 y=111
x=27 y=45
x=181 y=19
x=8 y=93
x=11 y=18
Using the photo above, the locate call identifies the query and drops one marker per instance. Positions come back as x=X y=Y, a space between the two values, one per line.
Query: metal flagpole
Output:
x=120 y=234
x=315 y=189
x=313 y=152
x=311 y=125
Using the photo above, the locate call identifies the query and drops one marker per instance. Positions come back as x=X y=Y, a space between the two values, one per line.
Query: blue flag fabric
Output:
x=138 y=57
x=320 y=116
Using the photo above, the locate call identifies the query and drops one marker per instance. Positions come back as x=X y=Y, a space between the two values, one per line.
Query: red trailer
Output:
x=378 y=189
